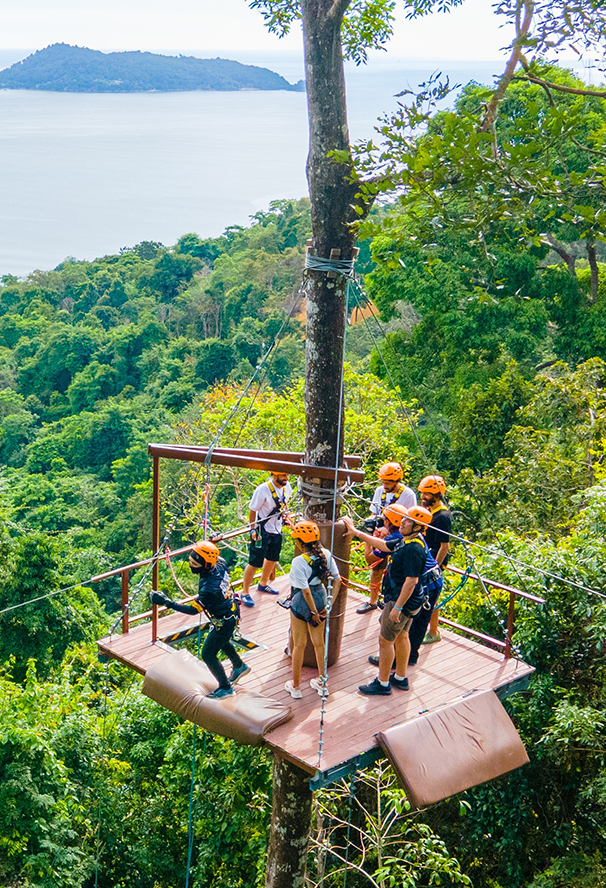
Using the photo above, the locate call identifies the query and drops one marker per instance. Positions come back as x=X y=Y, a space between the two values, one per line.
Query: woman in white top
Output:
x=308 y=574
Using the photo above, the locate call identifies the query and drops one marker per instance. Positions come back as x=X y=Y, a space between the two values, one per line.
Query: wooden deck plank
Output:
x=455 y=666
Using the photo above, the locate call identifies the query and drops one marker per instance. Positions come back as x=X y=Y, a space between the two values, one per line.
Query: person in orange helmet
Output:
x=432 y=489
x=377 y=558
x=309 y=573
x=391 y=490
x=404 y=597
x=216 y=600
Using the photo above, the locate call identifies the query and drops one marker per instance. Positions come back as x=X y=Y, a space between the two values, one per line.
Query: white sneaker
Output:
x=316 y=684
x=294 y=692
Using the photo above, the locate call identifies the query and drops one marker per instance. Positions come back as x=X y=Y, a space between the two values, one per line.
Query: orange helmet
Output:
x=206 y=553
x=395 y=513
x=433 y=484
x=306 y=531
x=390 y=472
x=419 y=515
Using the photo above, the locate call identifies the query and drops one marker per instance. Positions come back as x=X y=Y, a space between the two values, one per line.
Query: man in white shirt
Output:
x=265 y=513
x=391 y=490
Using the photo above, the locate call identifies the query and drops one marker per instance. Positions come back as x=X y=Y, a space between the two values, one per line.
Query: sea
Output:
x=83 y=175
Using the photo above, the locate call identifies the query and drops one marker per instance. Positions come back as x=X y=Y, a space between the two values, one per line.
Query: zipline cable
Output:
x=503 y=553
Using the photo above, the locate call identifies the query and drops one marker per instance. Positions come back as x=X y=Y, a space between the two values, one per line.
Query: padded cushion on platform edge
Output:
x=180 y=682
x=452 y=749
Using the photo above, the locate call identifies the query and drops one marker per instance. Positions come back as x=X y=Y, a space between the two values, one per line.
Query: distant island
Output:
x=64 y=68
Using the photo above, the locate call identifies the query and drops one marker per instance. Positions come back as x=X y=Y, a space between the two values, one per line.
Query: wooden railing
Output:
x=505 y=646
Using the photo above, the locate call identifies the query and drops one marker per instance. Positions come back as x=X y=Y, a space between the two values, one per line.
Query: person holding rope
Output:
x=216 y=600
x=309 y=573
x=404 y=597
x=377 y=558
x=266 y=513
x=432 y=489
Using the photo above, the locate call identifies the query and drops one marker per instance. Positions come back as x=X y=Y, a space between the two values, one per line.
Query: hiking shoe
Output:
x=366 y=608
x=237 y=673
x=316 y=684
x=294 y=692
x=431 y=639
x=269 y=589
x=219 y=693
x=375 y=689
x=247 y=601
x=374 y=661
x=400 y=683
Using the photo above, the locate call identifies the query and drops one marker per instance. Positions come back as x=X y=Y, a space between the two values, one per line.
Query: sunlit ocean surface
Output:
x=83 y=175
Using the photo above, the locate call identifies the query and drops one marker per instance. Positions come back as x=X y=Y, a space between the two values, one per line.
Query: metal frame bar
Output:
x=243 y=461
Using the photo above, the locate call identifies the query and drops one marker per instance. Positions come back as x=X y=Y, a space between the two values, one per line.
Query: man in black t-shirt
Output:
x=403 y=595
x=432 y=489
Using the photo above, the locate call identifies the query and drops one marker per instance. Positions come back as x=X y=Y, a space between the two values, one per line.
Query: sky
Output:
x=471 y=32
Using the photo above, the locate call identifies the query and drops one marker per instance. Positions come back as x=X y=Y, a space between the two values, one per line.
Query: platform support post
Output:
x=124 y=595
x=510 y=625
x=156 y=541
x=290 y=826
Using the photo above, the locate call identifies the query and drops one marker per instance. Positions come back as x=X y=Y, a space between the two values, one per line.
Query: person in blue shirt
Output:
x=404 y=597
x=377 y=558
x=216 y=600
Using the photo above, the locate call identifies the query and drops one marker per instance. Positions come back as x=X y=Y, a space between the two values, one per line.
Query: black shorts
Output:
x=270 y=548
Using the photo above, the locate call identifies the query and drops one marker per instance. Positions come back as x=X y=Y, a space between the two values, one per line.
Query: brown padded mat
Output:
x=452 y=749
x=180 y=682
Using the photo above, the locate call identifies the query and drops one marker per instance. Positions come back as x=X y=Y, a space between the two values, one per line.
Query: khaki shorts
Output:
x=389 y=629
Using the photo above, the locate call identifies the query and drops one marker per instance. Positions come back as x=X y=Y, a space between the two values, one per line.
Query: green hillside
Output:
x=64 y=68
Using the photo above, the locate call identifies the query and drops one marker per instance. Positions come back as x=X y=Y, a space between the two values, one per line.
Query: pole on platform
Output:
x=156 y=541
x=290 y=826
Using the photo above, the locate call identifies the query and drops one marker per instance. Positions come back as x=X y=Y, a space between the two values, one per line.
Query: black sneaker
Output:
x=374 y=661
x=366 y=608
x=400 y=683
x=375 y=689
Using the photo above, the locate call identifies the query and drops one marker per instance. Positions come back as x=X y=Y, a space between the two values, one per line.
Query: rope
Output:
x=352 y=795
x=259 y=367
x=103 y=751
x=322 y=494
x=502 y=553
x=456 y=590
x=342 y=267
x=132 y=598
x=190 y=818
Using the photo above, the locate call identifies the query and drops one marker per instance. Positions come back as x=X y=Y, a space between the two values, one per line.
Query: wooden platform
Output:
x=450 y=669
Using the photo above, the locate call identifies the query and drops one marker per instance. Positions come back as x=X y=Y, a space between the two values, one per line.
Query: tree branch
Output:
x=568 y=258
x=559 y=87
x=338 y=8
x=522 y=29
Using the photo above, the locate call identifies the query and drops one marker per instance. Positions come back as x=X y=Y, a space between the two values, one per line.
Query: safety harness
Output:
x=317 y=571
x=387 y=578
x=394 y=494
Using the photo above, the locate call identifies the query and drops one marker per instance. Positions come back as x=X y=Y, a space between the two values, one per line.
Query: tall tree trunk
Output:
x=290 y=826
x=332 y=193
